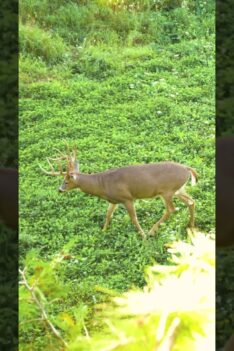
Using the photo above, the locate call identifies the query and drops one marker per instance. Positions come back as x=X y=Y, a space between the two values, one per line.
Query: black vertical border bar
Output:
x=224 y=67
x=224 y=126
x=9 y=139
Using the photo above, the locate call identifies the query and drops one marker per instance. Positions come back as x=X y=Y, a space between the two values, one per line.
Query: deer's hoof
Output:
x=192 y=229
x=191 y=232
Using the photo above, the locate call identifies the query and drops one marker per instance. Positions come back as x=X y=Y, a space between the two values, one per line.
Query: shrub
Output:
x=31 y=69
x=176 y=308
x=72 y=22
x=41 y=44
x=31 y=10
x=97 y=64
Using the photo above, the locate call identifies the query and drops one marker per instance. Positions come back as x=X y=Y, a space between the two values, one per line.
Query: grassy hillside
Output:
x=126 y=84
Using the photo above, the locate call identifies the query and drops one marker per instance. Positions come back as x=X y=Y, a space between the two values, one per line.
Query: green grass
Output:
x=123 y=94
x=42 y=44
x=146 y=113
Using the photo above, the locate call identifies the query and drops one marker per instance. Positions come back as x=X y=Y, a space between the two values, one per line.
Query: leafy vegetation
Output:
x=126 y=82
x=183 y=320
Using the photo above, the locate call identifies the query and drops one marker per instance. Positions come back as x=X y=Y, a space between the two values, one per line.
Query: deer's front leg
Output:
x=132 y=213
x=109 y=213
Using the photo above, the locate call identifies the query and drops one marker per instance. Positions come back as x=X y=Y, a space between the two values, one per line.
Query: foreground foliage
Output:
x=174 y=311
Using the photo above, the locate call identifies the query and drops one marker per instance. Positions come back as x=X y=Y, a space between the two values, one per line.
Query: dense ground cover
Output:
x=126 y=86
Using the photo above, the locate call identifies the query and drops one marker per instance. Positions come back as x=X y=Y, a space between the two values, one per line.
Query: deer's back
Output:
x=144 y=181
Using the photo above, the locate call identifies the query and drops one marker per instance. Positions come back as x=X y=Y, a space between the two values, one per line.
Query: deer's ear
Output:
x=76 y=164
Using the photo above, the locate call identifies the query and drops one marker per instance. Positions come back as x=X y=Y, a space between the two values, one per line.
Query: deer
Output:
x=9 y=197
x=129 y=183
x=225 y=200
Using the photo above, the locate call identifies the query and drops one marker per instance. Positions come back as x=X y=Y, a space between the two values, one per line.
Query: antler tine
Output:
x=59 y=165
x=56 y=149
x=57 y=158
x=60 y=152
x=61 y=169
x=48 y=160
x=49 y=173
x=53 y=173
x=70 y=157
x=70 y=163
x=68 y=150
x=61 y=172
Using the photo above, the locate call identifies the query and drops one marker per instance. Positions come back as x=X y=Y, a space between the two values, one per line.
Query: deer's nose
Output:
x=60 y=190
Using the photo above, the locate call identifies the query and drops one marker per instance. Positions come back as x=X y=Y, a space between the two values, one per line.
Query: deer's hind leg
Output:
x=109 y=213
x=169 y=209
x=183 y=196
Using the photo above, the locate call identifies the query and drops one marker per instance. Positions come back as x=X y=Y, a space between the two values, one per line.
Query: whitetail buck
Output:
x=225 y=200
x=9 y=197
x=126 y=184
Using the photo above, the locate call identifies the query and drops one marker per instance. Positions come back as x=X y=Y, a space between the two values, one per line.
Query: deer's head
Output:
x=69 y=182
x=70 y=174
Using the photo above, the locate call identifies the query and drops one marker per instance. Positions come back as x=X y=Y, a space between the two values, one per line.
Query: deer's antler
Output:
x=70 y=157
x=75 y=164
x=53 y=172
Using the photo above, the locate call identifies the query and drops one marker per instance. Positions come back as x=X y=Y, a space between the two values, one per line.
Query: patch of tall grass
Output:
x=100 y=23
x=42 y=44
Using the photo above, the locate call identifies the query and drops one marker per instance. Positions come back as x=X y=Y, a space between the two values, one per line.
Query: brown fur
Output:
x=126 y=184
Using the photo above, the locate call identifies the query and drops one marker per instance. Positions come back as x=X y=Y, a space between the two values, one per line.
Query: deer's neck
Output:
x=90 y=184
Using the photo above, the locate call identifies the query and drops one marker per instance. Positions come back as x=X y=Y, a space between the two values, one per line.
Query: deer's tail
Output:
x=194 y=176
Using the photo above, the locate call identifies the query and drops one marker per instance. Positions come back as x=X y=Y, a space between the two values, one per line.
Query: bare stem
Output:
x=117 y=344
x=168 y=342
x=44 y=316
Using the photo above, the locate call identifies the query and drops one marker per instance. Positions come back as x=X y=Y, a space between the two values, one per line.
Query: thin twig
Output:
x=168 y=342
x=117 y=344
x=86 y=331
x=41 y=307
